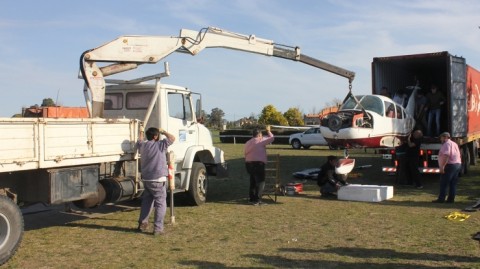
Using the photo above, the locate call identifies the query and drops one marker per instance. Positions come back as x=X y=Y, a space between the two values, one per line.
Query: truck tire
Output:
x=11 y=228
x=198 y=184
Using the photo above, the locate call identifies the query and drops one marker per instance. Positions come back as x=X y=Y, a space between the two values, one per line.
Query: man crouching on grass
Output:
x=328 y=180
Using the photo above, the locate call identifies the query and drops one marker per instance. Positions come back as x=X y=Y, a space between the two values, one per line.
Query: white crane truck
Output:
x=90 y=161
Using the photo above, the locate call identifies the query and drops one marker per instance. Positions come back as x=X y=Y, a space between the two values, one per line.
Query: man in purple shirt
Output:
x=154 y=170
x=449 y=162
x=255 y=160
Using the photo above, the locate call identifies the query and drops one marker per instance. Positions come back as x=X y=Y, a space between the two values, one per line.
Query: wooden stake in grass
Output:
x=171 y=182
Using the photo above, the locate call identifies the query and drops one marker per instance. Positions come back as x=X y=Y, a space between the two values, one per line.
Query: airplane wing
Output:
x=293 y=127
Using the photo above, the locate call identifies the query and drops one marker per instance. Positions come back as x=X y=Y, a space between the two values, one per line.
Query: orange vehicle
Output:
x=55 y=112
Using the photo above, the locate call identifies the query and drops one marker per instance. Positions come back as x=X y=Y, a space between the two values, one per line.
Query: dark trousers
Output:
x=434 y=115
x=448 y=180
x=413 y=175
x=256 y=170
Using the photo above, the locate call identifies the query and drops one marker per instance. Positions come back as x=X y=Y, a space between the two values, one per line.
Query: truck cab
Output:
x=174 y=109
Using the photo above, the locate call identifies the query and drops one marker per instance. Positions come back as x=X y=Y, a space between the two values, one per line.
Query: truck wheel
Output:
x=11 y=228
x=296 y=144
x=198 y=184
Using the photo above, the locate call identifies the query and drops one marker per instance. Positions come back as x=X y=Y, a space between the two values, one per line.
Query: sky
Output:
x=41 y=44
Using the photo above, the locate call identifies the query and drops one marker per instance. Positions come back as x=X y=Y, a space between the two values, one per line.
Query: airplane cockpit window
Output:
x=350 y=103
x=399 y=112
x=368 y=102
x=389 y=109
x=372 y=103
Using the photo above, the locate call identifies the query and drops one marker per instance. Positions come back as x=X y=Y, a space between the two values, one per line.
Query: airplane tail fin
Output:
x=410 y=109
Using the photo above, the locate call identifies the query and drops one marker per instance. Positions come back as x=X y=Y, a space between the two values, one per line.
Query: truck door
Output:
x=181 y=122
x=458 y=97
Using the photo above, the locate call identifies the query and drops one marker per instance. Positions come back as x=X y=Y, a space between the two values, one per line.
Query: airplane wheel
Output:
x=334 y=122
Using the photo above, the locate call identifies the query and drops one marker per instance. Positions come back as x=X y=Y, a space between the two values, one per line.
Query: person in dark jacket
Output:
x=412 y=155
x=328 y=180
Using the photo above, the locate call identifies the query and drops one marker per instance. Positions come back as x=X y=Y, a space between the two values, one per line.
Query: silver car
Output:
x=311 y=137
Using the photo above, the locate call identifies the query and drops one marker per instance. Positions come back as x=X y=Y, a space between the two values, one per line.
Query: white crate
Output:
x=365 y=193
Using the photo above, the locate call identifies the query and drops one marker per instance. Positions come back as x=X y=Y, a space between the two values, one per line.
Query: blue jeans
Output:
x=155 y=195
x=449 y=180
x=434 y=113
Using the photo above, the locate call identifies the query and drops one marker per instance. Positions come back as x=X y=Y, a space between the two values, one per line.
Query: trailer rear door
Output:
x=458 y=97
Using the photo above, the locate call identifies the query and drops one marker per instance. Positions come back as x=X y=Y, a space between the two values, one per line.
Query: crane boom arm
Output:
x=127 y=52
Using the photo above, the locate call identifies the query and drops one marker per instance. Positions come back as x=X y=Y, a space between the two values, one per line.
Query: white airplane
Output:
x=371 y=121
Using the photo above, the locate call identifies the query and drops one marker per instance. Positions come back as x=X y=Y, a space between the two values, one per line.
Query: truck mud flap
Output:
x=219 y=170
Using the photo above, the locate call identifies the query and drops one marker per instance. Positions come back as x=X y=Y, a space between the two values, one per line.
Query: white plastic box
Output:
x=365 y=193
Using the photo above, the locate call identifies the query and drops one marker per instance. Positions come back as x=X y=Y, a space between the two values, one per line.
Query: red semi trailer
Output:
x=460 y=115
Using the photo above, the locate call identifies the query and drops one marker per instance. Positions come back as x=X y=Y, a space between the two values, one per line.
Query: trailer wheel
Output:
x=465 y=156
x=473 y=150
x=198 y=184
x=11 y=228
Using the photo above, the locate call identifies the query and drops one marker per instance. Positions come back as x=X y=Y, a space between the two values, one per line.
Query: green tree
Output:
x=294 y=117
x=270 y=115
x=215 y=118
x=48 y=102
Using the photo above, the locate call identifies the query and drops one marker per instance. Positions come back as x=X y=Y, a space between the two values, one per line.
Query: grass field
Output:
x=301 y=231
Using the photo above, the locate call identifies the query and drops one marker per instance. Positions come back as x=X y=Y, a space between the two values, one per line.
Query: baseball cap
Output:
x=446 y=134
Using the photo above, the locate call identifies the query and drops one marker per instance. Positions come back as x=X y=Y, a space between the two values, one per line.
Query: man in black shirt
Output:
x=328 y=180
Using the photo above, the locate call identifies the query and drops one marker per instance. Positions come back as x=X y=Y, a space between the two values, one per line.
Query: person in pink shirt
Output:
x=449 y=162
x=255 y=160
